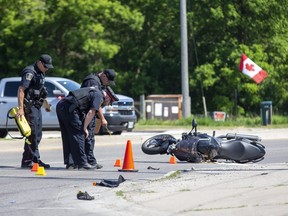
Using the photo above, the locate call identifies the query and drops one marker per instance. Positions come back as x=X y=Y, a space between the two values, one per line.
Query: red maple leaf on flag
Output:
x=250 y=67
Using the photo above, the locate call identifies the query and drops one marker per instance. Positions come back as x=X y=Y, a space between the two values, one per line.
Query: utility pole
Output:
x=186 y=104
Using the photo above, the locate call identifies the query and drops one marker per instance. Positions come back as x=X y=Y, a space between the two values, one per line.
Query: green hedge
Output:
x=277 y=121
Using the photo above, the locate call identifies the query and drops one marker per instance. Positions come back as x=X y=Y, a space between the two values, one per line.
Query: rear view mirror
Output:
x=194 y=126
x=194 y=123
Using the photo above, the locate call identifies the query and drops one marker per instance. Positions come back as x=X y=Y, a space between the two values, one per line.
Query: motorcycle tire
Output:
x=153 y=145
x=257 y=158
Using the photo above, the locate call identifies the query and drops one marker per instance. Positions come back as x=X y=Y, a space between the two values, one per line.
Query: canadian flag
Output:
x=248 y=67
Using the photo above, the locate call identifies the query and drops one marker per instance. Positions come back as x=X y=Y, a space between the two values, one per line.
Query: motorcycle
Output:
x=197 y=147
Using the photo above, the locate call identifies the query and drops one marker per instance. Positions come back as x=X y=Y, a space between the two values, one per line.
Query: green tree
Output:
x=141 y=40
x=222 y=31
x=20 y=33
x=149 y=60
x=81 y=36
x=86 y=38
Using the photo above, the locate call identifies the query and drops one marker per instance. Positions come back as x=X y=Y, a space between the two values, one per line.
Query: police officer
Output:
x=75 y=113
x=31 y=95
x=100 y=80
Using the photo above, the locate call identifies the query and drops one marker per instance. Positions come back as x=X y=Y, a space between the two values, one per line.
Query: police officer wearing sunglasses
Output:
x=31 y=95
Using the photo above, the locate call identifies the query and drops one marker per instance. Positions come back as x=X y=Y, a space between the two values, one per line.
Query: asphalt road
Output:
x=25 y=193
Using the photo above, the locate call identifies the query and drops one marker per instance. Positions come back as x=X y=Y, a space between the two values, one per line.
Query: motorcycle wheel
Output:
x=153 y=145
x=257 y=158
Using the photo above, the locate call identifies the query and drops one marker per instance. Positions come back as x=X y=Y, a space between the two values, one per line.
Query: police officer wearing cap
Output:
x=31 y=95
x=75 y=113
x=100 y=80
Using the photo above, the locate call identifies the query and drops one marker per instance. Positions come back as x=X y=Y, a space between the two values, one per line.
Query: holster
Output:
x=37 y=104
x=27 y=106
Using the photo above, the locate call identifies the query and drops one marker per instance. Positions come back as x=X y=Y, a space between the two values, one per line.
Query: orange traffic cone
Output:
x=128 y=164
x=117 y=163
x=41 y=171
x=35 y=167
x=172 y=160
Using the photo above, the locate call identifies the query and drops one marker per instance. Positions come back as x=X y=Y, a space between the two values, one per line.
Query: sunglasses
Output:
x=44 y=65
x=108 y=76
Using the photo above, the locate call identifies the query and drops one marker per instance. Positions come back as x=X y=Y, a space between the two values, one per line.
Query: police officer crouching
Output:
x=74 y=113
x=99 y=80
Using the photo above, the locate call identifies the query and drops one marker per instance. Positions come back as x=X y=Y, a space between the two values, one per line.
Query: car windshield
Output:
x=69 y=85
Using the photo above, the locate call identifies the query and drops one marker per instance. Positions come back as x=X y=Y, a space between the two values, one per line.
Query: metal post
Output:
x=142 y=107
x=184 y=61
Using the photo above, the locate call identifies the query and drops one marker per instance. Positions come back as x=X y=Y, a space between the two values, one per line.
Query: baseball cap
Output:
x=47 y=60
x=110 y=73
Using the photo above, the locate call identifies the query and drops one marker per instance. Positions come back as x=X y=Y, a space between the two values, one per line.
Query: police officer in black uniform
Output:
x=31 y=95
x=75 y=113
x=100 y=80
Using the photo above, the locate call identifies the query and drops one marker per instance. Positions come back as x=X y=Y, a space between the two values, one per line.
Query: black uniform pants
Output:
x=31 y=151
x=73 y=136
x=90 y=142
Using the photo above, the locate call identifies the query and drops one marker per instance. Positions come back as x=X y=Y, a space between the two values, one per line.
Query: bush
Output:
x=277 y=121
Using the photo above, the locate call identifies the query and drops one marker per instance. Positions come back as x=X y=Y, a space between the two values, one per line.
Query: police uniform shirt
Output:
x=96 y=99
x=92 y=80
x=28 y=75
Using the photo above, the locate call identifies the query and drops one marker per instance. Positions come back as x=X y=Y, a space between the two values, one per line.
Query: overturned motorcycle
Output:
x=196 y=147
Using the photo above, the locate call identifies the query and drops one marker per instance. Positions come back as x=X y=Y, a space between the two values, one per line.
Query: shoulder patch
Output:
x=29 y=76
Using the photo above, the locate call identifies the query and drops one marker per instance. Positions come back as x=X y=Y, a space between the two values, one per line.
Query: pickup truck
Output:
x=120 y=115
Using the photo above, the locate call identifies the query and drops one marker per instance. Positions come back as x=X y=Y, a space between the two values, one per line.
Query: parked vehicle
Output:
x=120 y=116
x=196 y=147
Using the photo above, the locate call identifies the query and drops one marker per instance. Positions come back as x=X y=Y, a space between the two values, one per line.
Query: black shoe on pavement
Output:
x=84 y=196
x=71 y=167
x=41 y=163
x=86 y=166
x=96 y=166
x=28 y=165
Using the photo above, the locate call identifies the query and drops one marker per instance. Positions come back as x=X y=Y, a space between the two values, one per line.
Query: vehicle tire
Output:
x=117 y=133
x=153 y=145
x=3 y=133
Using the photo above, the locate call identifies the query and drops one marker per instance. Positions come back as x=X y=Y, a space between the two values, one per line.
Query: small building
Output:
x=164 y=107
